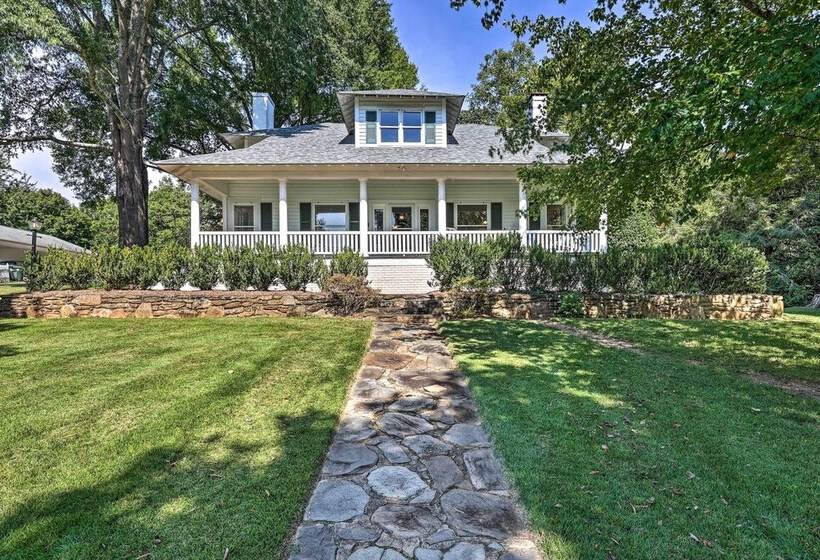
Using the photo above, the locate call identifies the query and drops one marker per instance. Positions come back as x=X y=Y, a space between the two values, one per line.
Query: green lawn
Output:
x=789 y=348
x=7 y=288
x=666 y=454
x=178 y=438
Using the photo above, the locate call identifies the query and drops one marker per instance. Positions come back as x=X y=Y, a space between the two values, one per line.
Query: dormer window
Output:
x=412 y=127
x=389 y=127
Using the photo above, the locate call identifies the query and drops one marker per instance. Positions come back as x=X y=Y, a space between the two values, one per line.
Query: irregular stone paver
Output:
x=345 y=458
x=336 y=500
x=411 y=473
x=399 y=483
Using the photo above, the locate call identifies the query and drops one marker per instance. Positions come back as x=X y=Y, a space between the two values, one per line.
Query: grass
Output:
x=788 y=349
x=8 y=288
x=625 y=455
x=164 y=439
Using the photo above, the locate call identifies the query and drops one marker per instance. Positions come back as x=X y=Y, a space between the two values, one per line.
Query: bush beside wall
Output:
x=712 y=268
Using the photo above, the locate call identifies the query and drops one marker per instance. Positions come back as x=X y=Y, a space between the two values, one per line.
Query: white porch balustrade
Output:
x=401 y=242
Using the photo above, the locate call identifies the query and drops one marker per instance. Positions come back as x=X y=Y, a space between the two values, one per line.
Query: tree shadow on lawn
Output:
x=177 y=503
x=628 y=455
x=7 y=350
x=208 y=494
x=772 y=347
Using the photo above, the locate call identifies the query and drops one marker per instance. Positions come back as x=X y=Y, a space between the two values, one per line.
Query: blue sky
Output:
x=448 y=46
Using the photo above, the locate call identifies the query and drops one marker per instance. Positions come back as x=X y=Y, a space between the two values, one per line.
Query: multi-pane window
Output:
x=371 y=124
x=424 y=219
x=243 y=217
x=389 y=126
x=429 y=127
x=471 y=216
x=330 y=217
x=556 y=219
x=411 y=125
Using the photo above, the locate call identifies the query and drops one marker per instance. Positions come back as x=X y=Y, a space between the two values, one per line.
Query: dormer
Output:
x=400 y=117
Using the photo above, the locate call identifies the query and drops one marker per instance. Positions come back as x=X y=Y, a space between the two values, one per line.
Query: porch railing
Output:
x=238 y=238
x=401 y=242
x=561 y=241
x=325 y=242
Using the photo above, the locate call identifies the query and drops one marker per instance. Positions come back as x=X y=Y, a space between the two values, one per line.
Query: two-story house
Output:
x=396 y=174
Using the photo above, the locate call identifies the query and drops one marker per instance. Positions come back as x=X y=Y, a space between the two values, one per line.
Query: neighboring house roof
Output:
x=346 y=99
x=12 y=237
x=330 y=144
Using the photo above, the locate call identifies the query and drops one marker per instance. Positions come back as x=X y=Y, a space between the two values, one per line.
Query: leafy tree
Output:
x=105 y=84
x=666 y=101
x=504 y=75
x=21 y=202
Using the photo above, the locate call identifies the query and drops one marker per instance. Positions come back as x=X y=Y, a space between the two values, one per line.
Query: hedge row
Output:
x=173 y=266
x=502 y=263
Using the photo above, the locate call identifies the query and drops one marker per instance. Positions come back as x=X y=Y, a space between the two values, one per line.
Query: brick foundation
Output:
x=127 y=303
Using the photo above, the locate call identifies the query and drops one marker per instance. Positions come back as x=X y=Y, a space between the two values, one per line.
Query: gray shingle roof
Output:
x=330 y=143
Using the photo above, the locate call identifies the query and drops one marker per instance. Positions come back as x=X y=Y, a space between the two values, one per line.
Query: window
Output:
x=429 y=127
x=378 y=219
x=389 y=126
x=243 y=217
x=424 y=219
x=471 y=216
x=371 y=126
x=411 y=124
x=555 y=216
x=402 y=217
x=330 y=217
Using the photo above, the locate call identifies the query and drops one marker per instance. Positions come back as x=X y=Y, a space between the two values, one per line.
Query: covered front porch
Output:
x=381 y=217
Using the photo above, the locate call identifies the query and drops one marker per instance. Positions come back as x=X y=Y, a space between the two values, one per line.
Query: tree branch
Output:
x=757 y=10
x=9 y=140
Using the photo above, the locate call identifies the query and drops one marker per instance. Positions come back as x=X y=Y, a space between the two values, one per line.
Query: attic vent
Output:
x=262 y=111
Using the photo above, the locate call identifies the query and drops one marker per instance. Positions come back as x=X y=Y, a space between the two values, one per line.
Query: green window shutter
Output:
x=495 y=216
x=451 y=215
x=305 y=221
x=353 y=211
x=267 y=216
x=534 y=220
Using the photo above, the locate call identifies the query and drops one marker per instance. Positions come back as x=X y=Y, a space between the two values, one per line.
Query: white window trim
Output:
x=313 y=205
x=489 y=217
x=256 y=216
x=362 y=112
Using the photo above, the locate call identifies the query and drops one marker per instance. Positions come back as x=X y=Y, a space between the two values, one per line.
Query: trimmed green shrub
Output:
x=172 y=263
x=205 y=267
x=266 y=266
x=546 y=271
x=298 y=268
x=58 y=269
x=349 y=294
x=240 y=272
x=508 y=262
x=571 y=305
x=115 y=268
x=348 y=263
x=452 y=259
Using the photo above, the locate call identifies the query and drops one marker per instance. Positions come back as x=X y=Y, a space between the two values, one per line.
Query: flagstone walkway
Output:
x=411 y=474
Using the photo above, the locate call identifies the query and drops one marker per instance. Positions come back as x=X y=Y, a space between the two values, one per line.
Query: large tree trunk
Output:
x=128 y=119
x=132 y=187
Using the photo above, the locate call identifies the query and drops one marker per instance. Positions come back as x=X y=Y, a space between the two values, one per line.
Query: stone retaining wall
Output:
x=127 y=303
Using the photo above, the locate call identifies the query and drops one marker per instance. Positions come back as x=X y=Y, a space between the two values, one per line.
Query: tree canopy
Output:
x=666 y=101
x=504 y=75
x=108 y=84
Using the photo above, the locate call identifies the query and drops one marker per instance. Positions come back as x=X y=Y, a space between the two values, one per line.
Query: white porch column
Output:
x=603 y=226
x=523 y=218
x=224 y=199
x=442 y=206
x=194 y=215
x=363 y=217
x=283 y=212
